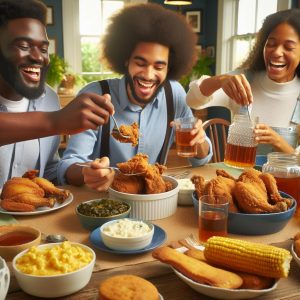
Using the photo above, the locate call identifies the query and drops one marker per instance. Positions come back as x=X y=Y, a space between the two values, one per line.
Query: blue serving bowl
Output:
x=256 y=224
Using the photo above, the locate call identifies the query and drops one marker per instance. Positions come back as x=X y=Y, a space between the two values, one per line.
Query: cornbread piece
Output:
x=127 y=287
x=249 y=257
x=130 y=131
x=250 y=281
x=197 y=270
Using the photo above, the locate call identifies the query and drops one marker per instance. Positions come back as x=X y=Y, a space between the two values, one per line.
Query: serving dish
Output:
x=221 y=293
x=295 y=256
x=92 y=222
x=159 y=238
x=256 y=224
x=52 y=286
x=150 y=206
x=40 y=210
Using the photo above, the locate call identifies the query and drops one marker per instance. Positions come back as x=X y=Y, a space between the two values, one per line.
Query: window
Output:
x=84 y=23
x=238 y=22
x=92 y=24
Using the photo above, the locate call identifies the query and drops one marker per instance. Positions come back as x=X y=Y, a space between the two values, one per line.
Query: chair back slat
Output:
x=217 y=129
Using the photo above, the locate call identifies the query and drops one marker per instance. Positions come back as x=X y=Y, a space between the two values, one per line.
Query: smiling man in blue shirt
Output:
x=152 y=47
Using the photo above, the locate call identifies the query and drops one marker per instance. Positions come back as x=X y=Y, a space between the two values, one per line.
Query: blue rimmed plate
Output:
x=159 y=237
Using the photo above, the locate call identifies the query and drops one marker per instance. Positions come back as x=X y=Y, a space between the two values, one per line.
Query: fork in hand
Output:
x=116 y=130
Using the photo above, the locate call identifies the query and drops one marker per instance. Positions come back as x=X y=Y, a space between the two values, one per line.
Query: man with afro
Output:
x=151 y=47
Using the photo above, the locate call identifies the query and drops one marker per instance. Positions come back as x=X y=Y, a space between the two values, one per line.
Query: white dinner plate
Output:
x=221 y=293
x=40 y=210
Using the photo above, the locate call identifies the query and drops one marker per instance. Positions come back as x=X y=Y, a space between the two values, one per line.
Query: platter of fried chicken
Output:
x=255 y=204
x=30 y=195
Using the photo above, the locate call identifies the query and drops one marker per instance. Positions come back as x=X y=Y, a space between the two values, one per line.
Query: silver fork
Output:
x=116 y=129
x=86 y=165
x=190 y=242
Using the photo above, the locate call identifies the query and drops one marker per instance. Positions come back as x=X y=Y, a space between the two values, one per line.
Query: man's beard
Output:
x=11 y=74
x=129 y=80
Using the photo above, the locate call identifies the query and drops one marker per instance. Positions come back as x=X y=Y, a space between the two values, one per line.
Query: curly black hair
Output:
x=150 y=23
x=255 y=60
x=15 y=9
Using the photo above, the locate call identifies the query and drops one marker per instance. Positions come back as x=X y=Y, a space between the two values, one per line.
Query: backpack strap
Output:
x=162 y=157
x=104 y=151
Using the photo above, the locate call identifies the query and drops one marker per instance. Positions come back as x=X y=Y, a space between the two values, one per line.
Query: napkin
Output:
x=7 y=219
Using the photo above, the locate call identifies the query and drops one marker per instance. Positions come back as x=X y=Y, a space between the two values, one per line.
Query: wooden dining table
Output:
x=179 y=225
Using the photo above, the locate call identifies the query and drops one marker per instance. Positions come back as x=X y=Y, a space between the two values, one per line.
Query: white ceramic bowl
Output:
x=186 y=189
x=150 y=206
x=4 y=278
x=126 y=243
x=55 y=285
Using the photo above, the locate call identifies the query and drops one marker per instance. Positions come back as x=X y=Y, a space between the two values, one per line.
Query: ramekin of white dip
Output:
x=127 y=234
x=186 y=189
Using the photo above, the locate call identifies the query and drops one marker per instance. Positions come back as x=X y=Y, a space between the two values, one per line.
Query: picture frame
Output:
x=49 y=17
x=194 y=18
x=52 y=46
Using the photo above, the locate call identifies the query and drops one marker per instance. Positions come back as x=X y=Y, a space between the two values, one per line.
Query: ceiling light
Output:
x=178 y=2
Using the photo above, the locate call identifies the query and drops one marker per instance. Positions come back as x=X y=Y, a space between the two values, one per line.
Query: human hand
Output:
x=97 y=178
x=266 y=135
x=86 y=111
x=237 y=88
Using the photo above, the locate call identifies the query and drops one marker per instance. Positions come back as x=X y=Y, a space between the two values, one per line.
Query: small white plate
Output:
x=40 y=210
x=221 y=293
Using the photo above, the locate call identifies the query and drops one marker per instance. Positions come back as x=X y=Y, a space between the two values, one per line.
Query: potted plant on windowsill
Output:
x=59 y=76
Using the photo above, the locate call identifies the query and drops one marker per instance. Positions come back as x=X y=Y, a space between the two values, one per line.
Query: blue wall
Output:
x=55 y=30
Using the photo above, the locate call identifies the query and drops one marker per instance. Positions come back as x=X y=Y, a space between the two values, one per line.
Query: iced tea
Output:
x=240 y=156
x=183 y=139
x=212 y=223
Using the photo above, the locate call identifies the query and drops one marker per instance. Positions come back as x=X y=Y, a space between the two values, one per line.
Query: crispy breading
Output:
x=11 y=205
x=130 y=131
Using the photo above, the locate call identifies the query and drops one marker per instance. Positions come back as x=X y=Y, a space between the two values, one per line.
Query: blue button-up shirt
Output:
x=152 y=120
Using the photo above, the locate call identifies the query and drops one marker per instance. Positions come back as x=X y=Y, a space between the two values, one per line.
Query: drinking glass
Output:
x=213 y=216
x=183 y=128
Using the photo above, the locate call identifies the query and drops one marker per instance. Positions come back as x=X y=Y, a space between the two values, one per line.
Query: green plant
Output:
x=59 y=70
x=203 y=66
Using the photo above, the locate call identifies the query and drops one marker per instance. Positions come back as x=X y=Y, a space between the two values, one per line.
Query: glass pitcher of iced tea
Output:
x=286 y=170
x=241 y=146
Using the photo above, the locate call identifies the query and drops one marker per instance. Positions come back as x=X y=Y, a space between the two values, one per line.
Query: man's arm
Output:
x=86 y=111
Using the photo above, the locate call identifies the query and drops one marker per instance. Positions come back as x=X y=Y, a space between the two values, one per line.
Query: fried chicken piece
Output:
x=272 y=190
x=217 y=187
x=128 y=184
x=137 y=164
x=251 y=194
x=34 y=200
x=51 y=191
x=154 y=182
x=131 y=131
x=19 y=185
x=223 y=173
x=30 y=174
x=11 y=205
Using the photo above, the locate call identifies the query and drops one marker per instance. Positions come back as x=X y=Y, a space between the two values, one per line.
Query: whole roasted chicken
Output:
x=25 y=194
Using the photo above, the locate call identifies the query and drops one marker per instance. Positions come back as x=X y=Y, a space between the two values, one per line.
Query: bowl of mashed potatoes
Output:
x=54 y=270
x=127 y=234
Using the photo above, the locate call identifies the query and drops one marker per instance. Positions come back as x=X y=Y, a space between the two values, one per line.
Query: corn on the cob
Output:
x=255 y=258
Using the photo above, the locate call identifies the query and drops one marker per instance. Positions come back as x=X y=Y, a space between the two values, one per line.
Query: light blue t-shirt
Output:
x=152 y=121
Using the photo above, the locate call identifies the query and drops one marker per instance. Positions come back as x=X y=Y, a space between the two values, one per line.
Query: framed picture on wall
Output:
x=194 y=18
x=49 y=17
x=52 y=46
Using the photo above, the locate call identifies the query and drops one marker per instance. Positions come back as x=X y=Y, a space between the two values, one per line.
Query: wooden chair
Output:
x=217 y=130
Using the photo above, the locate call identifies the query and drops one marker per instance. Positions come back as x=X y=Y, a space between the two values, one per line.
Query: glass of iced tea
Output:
x=183 y=128
x=213 y=216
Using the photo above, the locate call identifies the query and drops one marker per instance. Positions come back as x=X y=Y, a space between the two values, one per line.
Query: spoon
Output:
x=116 y=129
x=55 y=238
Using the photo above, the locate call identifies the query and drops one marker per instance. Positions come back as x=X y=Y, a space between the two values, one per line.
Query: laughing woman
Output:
x=268 y=81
